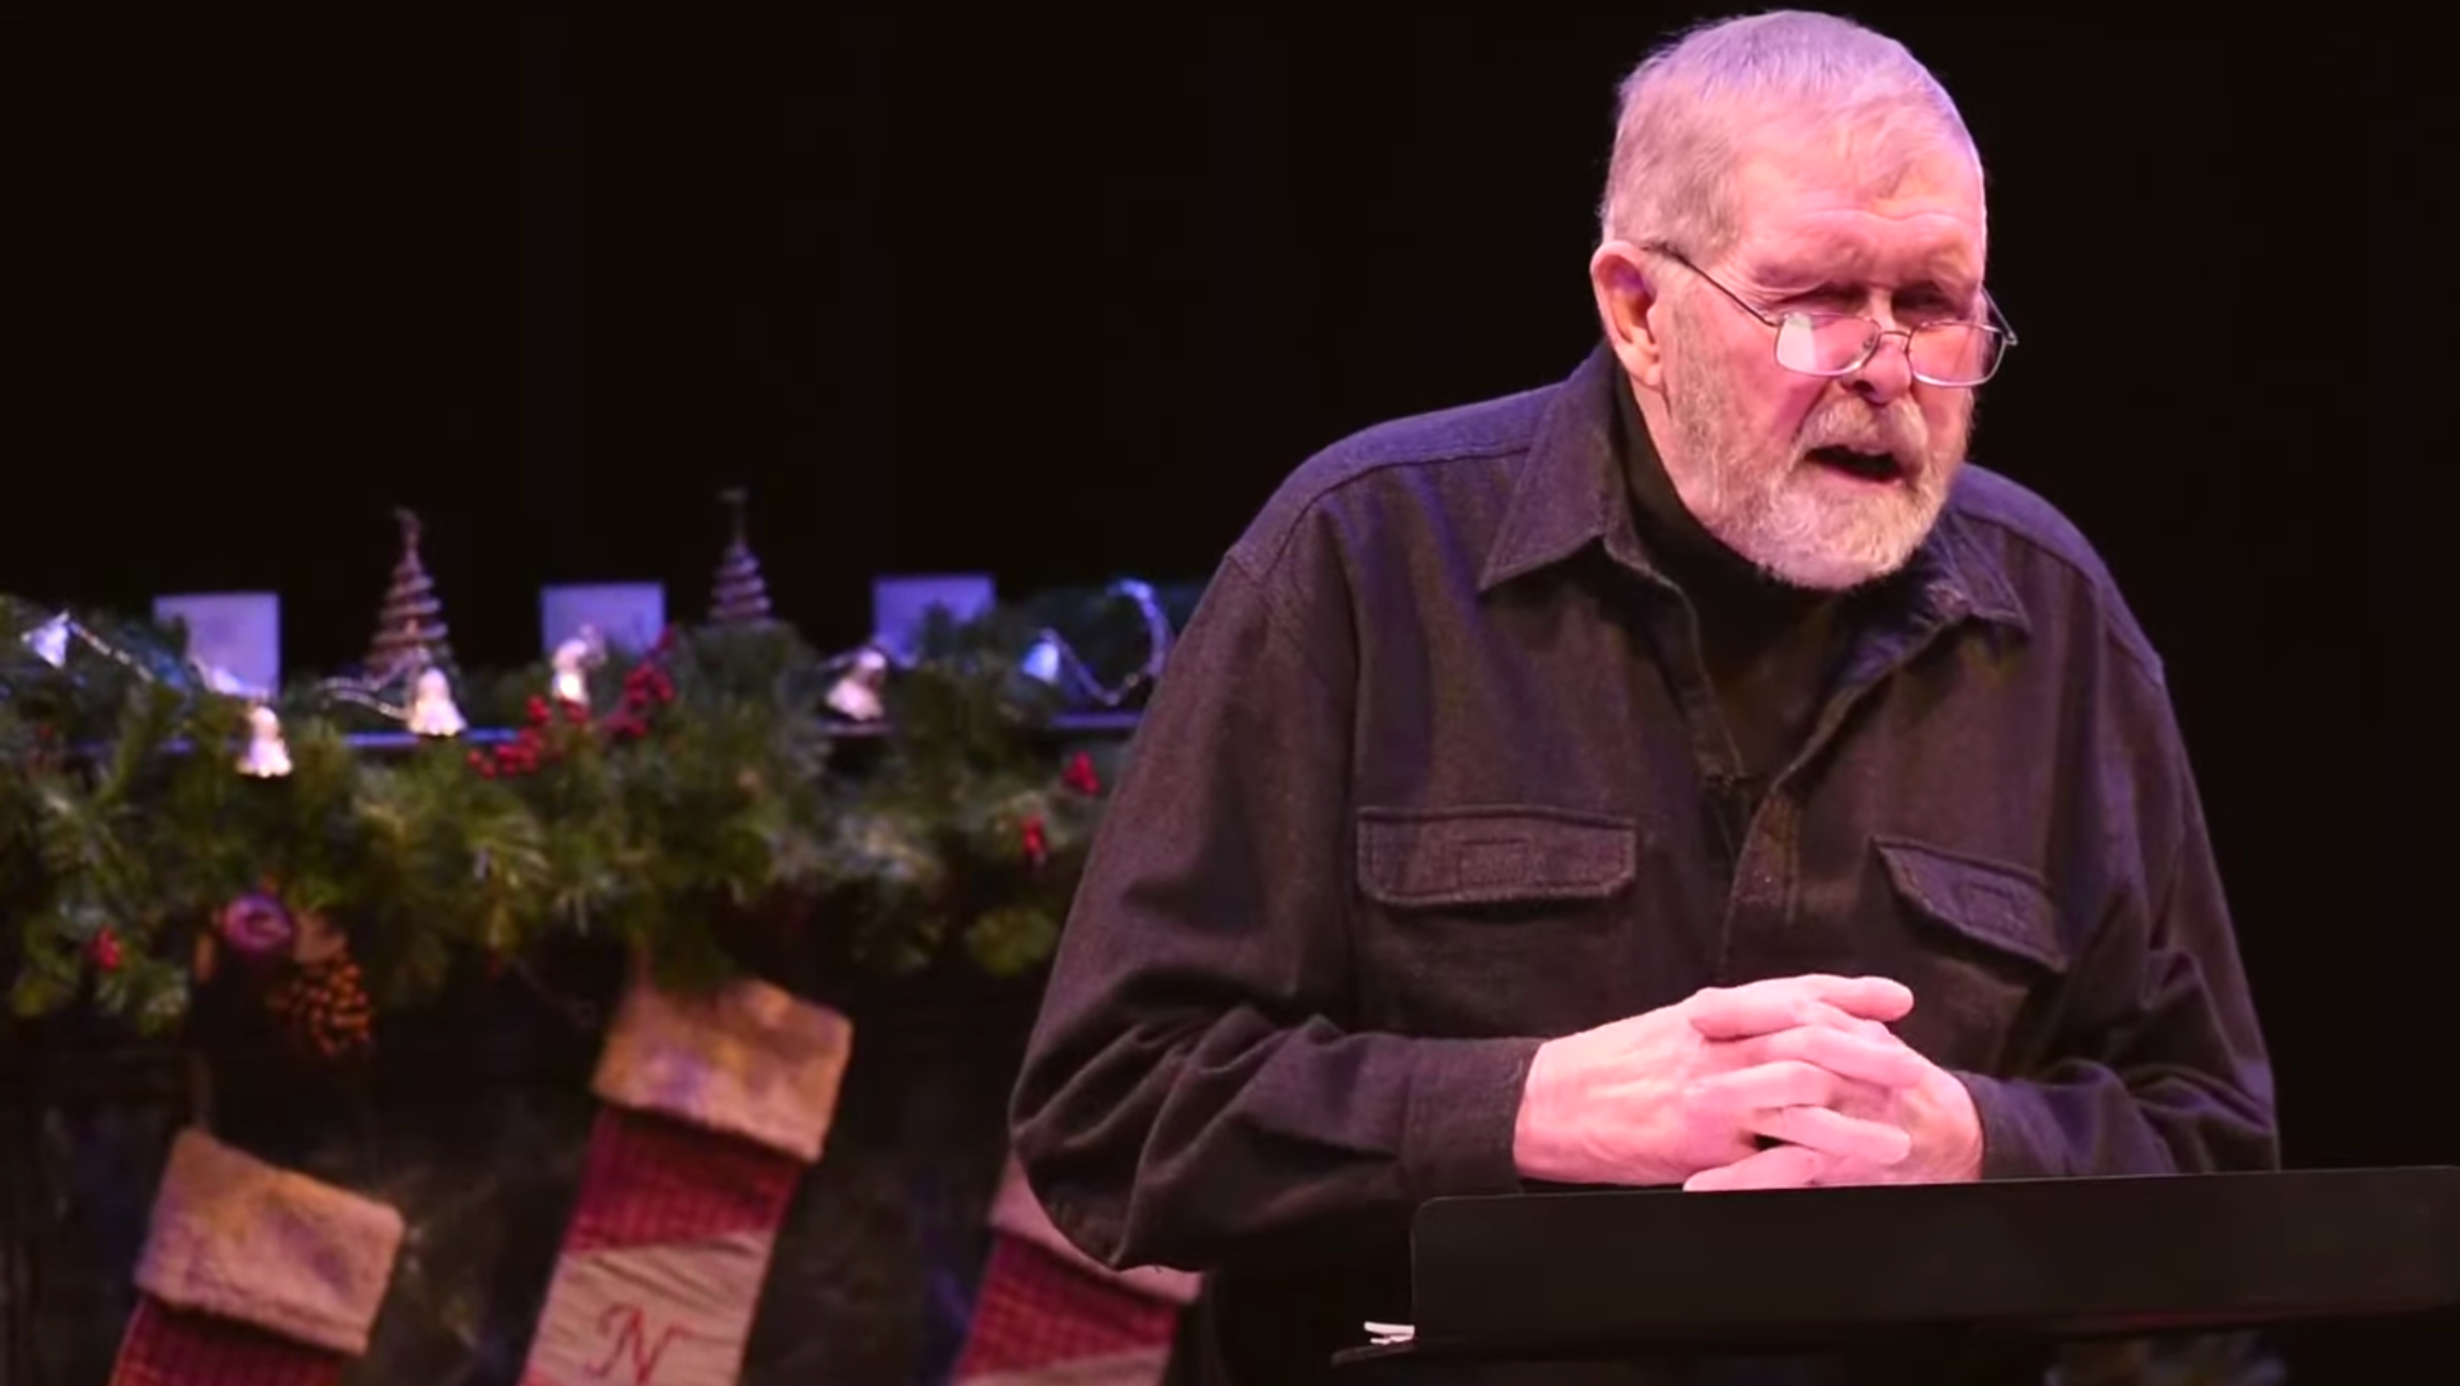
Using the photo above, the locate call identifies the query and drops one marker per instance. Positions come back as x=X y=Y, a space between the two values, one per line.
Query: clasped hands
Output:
x=1787 y=1083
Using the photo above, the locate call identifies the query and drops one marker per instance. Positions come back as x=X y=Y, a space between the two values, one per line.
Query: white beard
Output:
x=1795 y=518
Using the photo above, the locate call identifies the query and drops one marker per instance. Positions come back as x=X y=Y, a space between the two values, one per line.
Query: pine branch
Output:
x=50 y=971
x=670 y=824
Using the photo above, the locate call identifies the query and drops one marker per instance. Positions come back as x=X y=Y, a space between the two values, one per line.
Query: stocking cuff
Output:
x=1016 y=1212
x=235 y=1237
x=748 y=1059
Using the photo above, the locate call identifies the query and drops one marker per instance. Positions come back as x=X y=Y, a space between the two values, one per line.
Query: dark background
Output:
x=1061 y=297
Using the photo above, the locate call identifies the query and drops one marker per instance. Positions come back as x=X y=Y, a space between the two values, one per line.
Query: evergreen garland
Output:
x=697 y=811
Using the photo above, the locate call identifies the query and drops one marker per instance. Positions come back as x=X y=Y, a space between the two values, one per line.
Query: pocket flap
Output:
x=1990 y=903
x=1493 y=855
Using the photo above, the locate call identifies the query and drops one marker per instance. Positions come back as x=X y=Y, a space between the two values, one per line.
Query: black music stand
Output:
x=1636 y=1274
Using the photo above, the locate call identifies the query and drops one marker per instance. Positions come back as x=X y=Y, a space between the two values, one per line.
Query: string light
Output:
x=417 y=701
x=432 y=710
x=1054 y=661
x=856 y=693
x=50 y=644
x=366 y=693
x=571 y=663
x=267 y=755
x=862 y=673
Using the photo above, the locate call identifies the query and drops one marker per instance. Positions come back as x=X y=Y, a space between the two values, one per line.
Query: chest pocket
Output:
x=1417 y=859
x=1987 y=937
x=1488 y=920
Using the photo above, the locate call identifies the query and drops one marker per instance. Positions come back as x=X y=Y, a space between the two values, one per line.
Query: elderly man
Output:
x=1694 y=773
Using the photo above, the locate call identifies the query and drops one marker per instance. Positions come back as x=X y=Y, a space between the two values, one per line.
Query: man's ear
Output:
x=1626 y=288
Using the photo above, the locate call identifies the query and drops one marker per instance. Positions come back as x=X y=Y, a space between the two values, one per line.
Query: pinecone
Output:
x=325 y=1010
x=739 y=596
x=410 y=630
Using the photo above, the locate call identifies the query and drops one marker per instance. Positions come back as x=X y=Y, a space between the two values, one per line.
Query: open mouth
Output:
x=1858 y=463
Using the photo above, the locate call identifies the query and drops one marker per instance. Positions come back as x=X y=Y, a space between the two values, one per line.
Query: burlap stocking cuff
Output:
x=749 y=1060
x=240 y=1239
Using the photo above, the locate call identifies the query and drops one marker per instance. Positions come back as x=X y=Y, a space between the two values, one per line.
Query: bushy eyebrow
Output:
x=1802 y=280
x=1820 y=259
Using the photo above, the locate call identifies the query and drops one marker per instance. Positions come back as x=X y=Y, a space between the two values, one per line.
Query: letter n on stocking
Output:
x=715 y=1108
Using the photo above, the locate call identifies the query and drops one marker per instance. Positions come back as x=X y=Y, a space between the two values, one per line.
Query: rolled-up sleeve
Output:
x=1191 y=1091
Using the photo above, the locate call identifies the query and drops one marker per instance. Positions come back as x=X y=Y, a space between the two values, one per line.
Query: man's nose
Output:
x=1888 y=373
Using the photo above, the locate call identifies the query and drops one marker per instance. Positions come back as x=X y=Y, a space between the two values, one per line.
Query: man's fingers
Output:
x=1782 y=1003
x=1882 y=1060
x=1787 y=1083
x=1831 y=1133
x=1872 y=998
x=1836 y=1018
x=1747 y=1015
x=1779 y=1167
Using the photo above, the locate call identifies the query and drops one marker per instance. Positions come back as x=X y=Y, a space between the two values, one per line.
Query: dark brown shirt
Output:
x=1431 y=778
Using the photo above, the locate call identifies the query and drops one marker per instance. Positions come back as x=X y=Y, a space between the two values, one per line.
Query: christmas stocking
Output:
x=253 y=1276
x=1049 y=1315
x=715 y=1107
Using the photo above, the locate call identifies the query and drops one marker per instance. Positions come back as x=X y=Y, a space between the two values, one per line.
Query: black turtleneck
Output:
x=1770 y=647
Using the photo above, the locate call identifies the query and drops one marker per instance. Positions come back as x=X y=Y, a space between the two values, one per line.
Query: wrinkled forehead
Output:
x=1875 y=207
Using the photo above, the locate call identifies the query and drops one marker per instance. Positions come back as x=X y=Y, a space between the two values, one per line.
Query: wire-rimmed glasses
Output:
x=1953 y=353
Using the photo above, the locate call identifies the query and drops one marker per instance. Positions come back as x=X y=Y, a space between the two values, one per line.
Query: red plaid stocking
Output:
x=715 y=1109
x=253 y=1276
x=1049 y=1315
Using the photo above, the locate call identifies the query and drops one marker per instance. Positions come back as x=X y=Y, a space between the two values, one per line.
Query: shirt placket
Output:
x=1758 y=937
x=1725 y=827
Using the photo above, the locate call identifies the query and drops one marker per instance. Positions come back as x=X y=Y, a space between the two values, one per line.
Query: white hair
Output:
x=1687 y=113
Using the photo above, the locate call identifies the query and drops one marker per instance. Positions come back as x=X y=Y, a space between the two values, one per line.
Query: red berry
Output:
x=1081 y=776
x=537 y=709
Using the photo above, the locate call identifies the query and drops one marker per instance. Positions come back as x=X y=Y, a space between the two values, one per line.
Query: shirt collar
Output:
x=1571 y=492
x=1568 y=493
